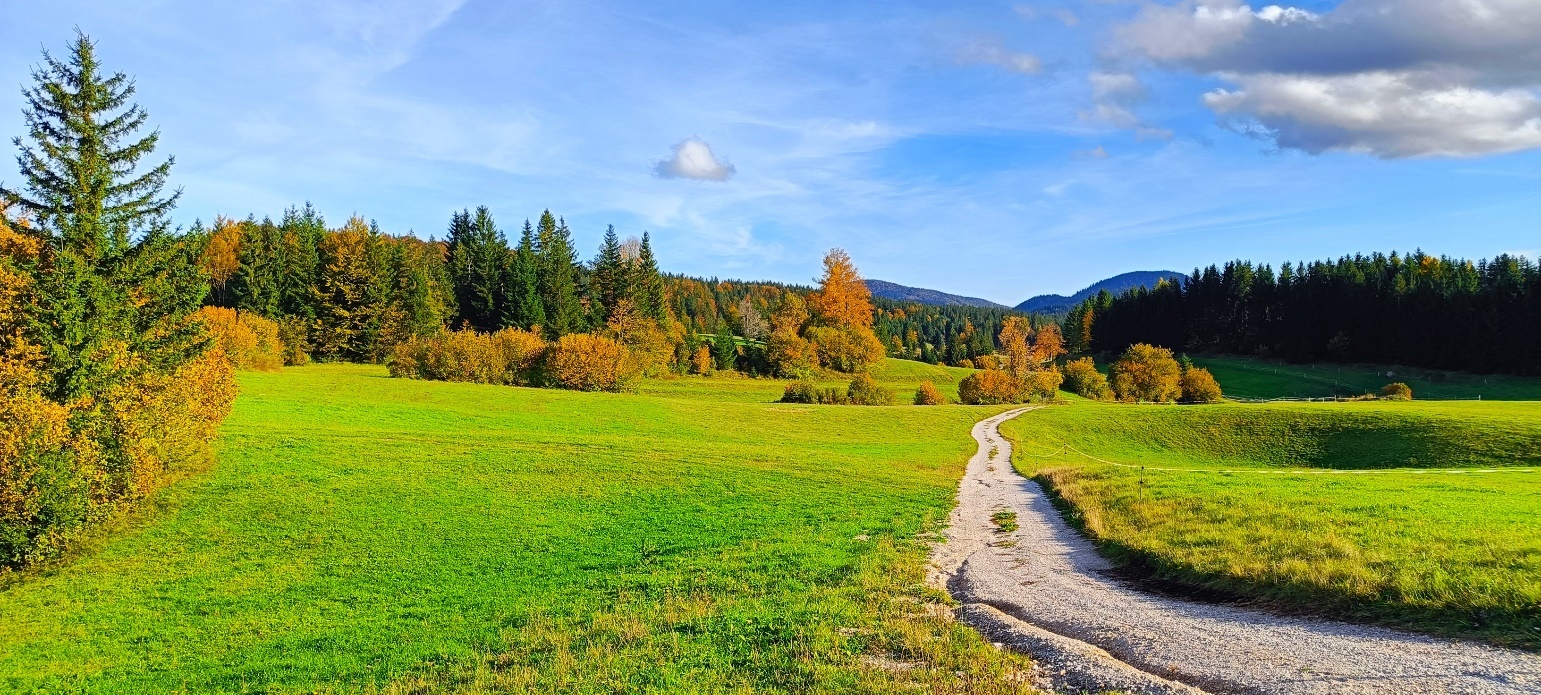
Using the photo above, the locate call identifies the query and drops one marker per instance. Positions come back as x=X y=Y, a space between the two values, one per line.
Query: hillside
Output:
x=901 y=293
x=1059 y=304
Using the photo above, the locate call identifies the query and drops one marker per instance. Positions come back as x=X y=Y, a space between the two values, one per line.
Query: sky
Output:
x=991 y=149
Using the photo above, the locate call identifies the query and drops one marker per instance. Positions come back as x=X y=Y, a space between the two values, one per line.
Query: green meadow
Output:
x=1255 y=378
x=362 y=533
x=1338 y=509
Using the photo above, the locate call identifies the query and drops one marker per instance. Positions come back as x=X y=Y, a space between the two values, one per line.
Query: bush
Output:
x=585 y=362
x=847 y=349
x=987 y=362
x=865 y=391
x=1039 y=386
x=1083 y=379
x=294 y=331
x=989 y=387
x=928 y=394
x=789 y=354
x=800 y=391
x=1146 y=374
x=701 y=361
x=1199 y=386
x=508 y=357
x=1397 y=391
x=965 y=363
x=249 y=341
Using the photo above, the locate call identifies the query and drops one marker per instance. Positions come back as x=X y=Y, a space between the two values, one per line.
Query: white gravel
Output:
x=1048 y=583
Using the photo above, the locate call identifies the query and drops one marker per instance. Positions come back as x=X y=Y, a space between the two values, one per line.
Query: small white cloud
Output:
x=989 y=50
x=1114 y=96
x=1098 y=152
x=694 y=159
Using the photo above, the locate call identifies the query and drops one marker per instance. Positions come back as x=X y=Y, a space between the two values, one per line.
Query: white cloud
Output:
x=693 y=159
x=989 y=50
x=1387 y=114
x=1114 y=96
x=1391 y=78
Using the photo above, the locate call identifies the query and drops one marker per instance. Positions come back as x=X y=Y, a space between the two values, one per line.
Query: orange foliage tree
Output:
x=1146 y=373
x=842 y=299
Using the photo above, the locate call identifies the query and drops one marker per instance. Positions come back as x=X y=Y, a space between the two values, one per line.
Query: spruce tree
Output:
x=647 y=284
x=609 y=275
x=558 y=277
x=522 y=307
x=117 y=281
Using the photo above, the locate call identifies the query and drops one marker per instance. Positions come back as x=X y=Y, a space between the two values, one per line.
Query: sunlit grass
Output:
x=361 y=532
x=1449 y=553
x=1255 y=378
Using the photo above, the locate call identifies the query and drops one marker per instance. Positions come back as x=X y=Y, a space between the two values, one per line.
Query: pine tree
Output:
x=522 y=307
x=118 y=282
x=647 y=283
x=302 y=230
x=558 y=277
x=478 y=256
x=609 y=278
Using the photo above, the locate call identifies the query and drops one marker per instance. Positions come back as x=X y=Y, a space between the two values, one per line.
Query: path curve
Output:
x=1044 y=589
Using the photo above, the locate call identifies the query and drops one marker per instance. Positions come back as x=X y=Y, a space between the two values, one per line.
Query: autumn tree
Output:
x=842 y=299
x=1199 y=386
x=1145 y=373
x=1015 y=338
x=348 y=299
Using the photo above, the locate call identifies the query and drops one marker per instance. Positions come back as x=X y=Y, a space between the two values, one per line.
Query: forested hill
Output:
x=1416 y=310
x=1118 y=284
x=920 y=295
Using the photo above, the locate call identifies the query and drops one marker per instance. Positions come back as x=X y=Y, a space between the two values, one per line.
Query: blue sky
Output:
x=998 y=149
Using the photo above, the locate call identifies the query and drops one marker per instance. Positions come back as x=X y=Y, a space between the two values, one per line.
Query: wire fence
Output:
x=1295 y=471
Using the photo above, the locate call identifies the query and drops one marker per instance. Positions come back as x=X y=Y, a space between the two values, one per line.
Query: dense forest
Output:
x=1415 y=310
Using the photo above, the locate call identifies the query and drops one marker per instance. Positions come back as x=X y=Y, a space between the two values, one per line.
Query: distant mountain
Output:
x=900 y=293
x=1059 y=304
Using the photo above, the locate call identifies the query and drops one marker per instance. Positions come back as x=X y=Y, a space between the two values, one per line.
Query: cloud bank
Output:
x=1390 y=78
x=693 y=159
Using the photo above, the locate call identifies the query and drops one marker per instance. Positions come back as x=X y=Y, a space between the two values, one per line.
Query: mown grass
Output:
x=361 y=533
x=1254 y=378
x=1355 y=537
x=903 y=377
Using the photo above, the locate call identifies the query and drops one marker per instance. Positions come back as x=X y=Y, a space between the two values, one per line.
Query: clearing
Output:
x=361 y=532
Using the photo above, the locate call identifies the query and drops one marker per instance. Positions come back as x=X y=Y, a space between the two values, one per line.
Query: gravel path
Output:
x=1044 y=589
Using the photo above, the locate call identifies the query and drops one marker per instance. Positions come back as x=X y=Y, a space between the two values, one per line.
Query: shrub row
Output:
x=863 y=390
x=513 y=357
x=995 y=387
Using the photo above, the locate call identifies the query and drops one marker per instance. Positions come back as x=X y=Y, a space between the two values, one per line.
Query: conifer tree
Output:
x=117 y=280
x=647 y=283
x=478 y=255
x=522 y=307
x=610 y=275
x=302 y=230
x=557 y=276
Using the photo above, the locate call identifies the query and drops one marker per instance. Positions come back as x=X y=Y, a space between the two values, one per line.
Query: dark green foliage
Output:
x=522 y=307
x=610 y=281
x=864 y=390
x=1415 y=310
x=477 y=259
x=724 y=348
x=557 y=278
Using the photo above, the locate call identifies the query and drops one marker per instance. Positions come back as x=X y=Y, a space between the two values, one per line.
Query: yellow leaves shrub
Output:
x=1199 y=386
x=864 y=390
x=247 y=340
x=509 y=357
x=1083 y=379
x=989 y=387
x=995 y=387
x=847 y=350
x=928 y=394
x=586 y=362
x=1397 y=391
x=1145 y=373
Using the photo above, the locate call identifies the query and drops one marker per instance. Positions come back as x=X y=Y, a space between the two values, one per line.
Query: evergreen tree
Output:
x=258 y=282
x=117 y=282
x=646 y=283
x=478 y=255
x=610 y=281
x=557 y=277
x=302 y=230
x=522 y=307
x=348 y=312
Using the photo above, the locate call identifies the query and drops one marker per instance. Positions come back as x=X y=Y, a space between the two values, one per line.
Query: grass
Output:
x=901 y=376
x=1254 y=378
x=1332 y=508
x=367 y=534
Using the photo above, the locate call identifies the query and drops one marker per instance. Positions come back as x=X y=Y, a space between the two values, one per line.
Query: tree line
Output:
x=1415 y=310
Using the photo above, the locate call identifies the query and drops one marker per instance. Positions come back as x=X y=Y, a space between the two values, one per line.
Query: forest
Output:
x=1416 y=310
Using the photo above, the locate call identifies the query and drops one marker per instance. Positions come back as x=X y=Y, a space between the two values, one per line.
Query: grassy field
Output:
x=361 y=533
x=1253 y=378
x=1332 y=508
x=900 y=376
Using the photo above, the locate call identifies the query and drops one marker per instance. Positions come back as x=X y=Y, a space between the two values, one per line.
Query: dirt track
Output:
x=1044 y=589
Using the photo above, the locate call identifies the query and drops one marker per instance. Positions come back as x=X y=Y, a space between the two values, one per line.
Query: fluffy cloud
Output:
x=1392 y=78
x=693 y=159
x=1114 y=96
